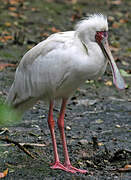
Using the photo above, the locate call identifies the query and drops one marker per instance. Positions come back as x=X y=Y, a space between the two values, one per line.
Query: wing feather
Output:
x=51 y=43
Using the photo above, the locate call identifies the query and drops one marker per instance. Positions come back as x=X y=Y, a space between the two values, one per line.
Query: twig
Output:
x=95 y=143
x=25 y=144
x=18 y=145
x=121 y=169
x=127 y=150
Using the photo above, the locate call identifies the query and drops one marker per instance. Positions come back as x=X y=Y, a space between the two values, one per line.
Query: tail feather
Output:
x=11 y=96
x=19 y=103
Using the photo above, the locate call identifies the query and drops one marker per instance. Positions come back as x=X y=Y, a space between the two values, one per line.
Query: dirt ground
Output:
x=98 y=116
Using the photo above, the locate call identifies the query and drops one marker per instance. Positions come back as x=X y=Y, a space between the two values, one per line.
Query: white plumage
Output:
x=57 y=66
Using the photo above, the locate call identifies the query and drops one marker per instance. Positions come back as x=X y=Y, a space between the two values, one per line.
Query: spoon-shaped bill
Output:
x=117 y=78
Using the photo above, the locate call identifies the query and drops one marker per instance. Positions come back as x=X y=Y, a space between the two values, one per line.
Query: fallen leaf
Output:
x=125 y=63
x=122 y=21
x=127 y=166
x=116 y=25
x=68 y=128
x=125 y=169
x=14 y=2
x=124 y=73
x=100 y=144
x=54 y=30
x=118 y=126
x=4 y=173
x=25 y=144
x=75 y=16
x=12 y=8
x=34 y=9
x=8 y=24
x=3 y=66
x=13 y=14
x=45 y=34
x=83 y=141
x=108 y=83
x=99 y=121
x=89 y=81
x=115 y=49
x=3 y=130
x=111 y=18
x=73 y=1
x=8 y=37
x=42 y=116
x=5 y=38
x=2 y=39
x=116 y=2
x=86 y=102
x=5 y=33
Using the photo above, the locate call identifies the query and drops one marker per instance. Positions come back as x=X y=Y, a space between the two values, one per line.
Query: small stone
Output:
x=83 y=141
x=118 y=126
x=99 y=121
x=42 y=116
x=68 y=128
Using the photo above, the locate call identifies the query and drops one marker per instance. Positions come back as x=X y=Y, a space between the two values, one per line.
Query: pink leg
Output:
x=67 y=163
x=56 y=164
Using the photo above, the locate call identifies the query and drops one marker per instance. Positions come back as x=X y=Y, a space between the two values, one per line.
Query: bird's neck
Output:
x=84 y=37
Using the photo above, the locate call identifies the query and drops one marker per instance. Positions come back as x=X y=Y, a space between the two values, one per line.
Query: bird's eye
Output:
x=105 y=34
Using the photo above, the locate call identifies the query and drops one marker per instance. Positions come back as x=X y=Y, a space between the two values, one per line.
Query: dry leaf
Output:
x=12 y=8
x=2 y=66
x=124 y=73
x=118 y=126
x=8 y=24
x=108 y=83
x=100 y=144
x=75 y=16
x=5 y=32
x=127 y=166
x=13 y=14
x=14 y=2
x=45 y=34
x=34 y=9
x=111 y=18
x=115 y=25
x=72 y=1
x=8 y=37
x=2 y=39
x=54 y=30
x=115 y=49
x=116 y=2
x=68 y=128
x=4 y=173
x=5 y=38
x=122 y=21
x=99 y=121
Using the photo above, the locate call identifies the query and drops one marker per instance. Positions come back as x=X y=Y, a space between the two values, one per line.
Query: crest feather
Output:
x=97 y=22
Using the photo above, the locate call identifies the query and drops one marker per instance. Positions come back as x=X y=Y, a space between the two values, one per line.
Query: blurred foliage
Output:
x=8 y=116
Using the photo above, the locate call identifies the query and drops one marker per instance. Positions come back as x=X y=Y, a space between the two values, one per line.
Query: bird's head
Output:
x=95 y=29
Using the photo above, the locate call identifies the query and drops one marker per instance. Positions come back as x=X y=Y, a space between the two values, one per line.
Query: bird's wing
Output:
x=51 y=43
x=20 y=90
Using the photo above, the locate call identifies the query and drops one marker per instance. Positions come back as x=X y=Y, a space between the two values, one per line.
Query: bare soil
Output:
x=98 y=116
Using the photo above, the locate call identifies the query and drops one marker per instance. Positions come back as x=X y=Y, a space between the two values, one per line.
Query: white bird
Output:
x=57 y=66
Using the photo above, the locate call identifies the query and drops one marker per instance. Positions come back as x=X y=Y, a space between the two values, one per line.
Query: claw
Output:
x=75 y=169
x=58 y=165
x=67 y=168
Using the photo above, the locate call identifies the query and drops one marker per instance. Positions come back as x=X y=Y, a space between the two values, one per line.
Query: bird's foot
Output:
x=75 y=169
x=58 y=165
